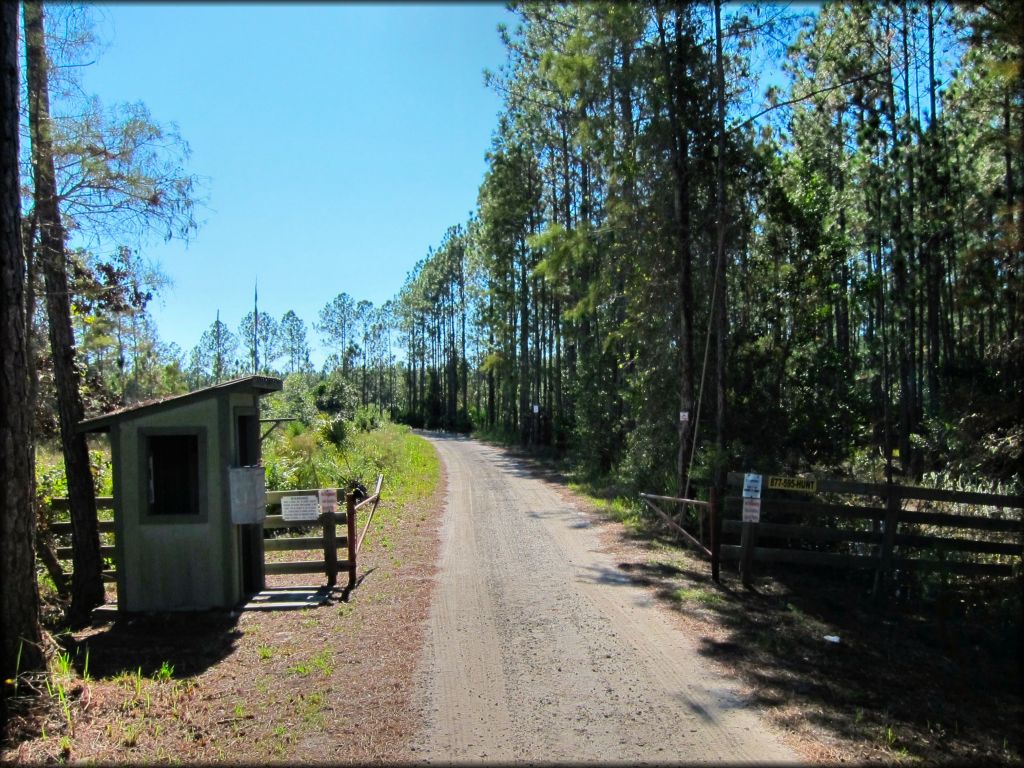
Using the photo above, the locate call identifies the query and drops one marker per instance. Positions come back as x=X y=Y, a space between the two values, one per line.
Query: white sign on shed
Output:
x=248 y=489
x=299 y=508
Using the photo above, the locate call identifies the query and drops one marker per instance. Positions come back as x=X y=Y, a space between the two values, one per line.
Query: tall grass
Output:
x=307 y=457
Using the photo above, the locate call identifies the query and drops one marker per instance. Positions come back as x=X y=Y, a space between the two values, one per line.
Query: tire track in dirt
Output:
x=540 y=649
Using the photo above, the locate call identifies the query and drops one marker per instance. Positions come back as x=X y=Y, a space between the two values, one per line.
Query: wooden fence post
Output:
x=350 y=524
x=883 y=572
x=330 y=549
x=748 y=540
x=716 y=527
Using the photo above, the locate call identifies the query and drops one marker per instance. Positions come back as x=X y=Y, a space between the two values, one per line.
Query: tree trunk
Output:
x=20 y=634
x=681 y=213
x=464 y=363
x=538 y=346
x=722 y=293
x=43 y=545
x=86 y=582
x=491 y=415
x=1010 y=294
x=524 y=363
x=903 y=338
x=933 y=252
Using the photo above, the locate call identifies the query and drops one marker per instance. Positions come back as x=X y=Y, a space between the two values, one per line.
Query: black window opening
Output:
x=248 y=427
x=173 y=474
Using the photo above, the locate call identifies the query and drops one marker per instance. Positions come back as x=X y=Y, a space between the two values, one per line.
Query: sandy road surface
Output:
x=539 y=649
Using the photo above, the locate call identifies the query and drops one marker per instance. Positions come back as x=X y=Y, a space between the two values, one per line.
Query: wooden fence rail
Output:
x=374 y=500
x=707 y=514
x=105 y=528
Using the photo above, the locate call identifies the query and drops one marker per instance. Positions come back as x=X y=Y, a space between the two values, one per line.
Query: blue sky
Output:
x=338 y=142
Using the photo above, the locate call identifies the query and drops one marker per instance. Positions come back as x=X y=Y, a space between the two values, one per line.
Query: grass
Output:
x=303 y=669
x=612 y=500
x=619 y=508
x=321 y=662
x=409 y=464
x=310 y=708
x=66 y=689
x=165 y=673
x=58 y=681
x=130 y=733
x=707 y=597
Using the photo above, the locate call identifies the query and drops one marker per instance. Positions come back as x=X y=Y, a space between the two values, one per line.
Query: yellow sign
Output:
x=798 y=484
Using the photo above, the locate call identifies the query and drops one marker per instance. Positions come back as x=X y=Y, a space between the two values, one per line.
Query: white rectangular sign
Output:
x=751 y=510
x=328 y=500
x=751 y=486
x=684 y=415
x=248 y=489
x=536 y=408
x=299 y=508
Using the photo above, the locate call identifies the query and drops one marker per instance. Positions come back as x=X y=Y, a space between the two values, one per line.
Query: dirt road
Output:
x=540 y=649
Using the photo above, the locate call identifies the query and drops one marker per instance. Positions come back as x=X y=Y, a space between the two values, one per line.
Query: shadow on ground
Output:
x=901 y=680
x=190 y=642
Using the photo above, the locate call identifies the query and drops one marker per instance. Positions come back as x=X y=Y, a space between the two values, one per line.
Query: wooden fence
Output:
x=705 y=539
x=106 y=530
x=884 y=528
x=326 y=541
x=878 y=527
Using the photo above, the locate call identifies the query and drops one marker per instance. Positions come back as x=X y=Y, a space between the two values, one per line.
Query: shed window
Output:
x=173 y=462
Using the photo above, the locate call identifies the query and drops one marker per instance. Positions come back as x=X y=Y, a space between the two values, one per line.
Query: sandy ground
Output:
x=539 y=649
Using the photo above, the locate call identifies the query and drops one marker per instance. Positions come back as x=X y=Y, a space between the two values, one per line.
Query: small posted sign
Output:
x=684 y=416
x=328 y=500
x=751 y=510
x=536 y=408
x=798 y=484
x=300 y=508
x=751 y=486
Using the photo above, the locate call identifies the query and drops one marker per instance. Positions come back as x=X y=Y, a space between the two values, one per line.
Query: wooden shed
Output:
x=189 y=497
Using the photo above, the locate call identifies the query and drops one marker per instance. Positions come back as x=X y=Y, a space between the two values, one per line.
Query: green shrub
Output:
x=335 y=394
x=368 y=418
x=334 y=429
x=302 y=458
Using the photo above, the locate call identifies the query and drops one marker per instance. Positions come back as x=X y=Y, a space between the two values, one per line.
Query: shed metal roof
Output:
x=245 y=384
